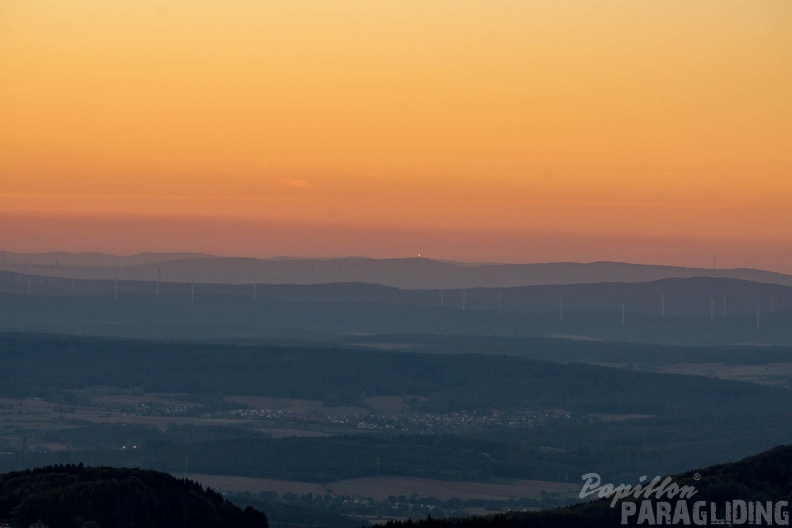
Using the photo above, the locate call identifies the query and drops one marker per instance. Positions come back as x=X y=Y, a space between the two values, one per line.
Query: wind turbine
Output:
x=441 y=298
x=623 y=304
x=561 y=301
x=255 y=282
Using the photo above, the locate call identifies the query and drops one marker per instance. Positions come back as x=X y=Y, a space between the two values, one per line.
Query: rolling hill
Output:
x=670 y=311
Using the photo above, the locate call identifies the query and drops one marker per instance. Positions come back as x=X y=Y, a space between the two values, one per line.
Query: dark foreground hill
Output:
x=756 y=491
x=75 y=496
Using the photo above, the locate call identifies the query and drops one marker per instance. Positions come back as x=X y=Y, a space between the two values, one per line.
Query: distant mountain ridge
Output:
x=407 y=273
x=92 y=259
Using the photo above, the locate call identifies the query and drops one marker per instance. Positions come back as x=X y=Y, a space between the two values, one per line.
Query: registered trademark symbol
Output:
x=696 y=476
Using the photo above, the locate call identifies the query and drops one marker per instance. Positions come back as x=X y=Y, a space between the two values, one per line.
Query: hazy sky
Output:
x=475 y=130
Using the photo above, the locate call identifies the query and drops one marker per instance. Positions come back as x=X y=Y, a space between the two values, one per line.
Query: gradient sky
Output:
x=474 y=130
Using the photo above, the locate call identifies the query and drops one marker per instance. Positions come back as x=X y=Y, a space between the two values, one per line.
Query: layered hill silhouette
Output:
x=406 y=273
x=701 y=310
x=78 y=496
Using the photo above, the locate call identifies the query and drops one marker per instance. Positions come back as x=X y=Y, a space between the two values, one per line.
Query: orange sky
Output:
x=501 y=130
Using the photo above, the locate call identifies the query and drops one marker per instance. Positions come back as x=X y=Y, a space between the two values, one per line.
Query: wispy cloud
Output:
x=296 y=182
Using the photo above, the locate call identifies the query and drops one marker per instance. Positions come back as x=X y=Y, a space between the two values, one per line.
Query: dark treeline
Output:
x=69 y=496
x=44 y=366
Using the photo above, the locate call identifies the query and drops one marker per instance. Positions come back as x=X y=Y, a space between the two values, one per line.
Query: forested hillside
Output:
x=766 y=477
x=76 y=496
